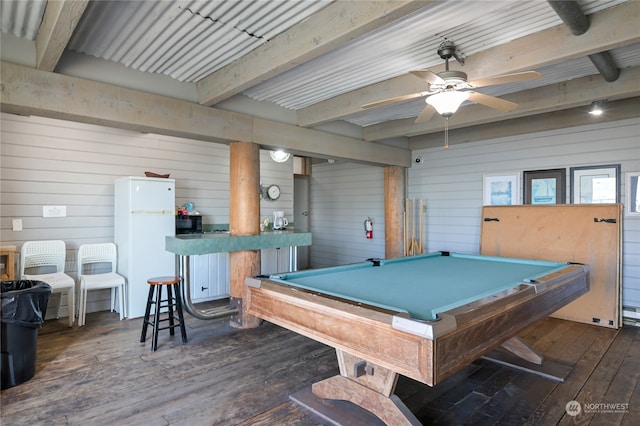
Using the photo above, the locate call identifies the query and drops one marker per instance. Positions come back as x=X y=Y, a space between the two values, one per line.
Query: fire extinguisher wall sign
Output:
x=368 y=228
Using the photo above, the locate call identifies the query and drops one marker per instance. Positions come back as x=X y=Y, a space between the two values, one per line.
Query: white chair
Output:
x=47 y=255
x=93 y=254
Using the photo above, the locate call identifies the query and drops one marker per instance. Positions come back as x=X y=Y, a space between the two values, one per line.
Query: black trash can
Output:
x=24 y=305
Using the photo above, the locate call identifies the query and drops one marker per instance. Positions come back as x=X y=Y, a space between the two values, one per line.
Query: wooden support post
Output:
x=394 y=195
x=244 y=219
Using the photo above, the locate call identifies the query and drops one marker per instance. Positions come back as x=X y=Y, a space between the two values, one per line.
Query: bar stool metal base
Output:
x=173 y=303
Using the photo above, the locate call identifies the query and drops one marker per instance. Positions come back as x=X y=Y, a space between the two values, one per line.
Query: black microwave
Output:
x=188 y=224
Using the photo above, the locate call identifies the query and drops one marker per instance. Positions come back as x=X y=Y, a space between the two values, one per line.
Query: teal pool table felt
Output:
x=424 y=285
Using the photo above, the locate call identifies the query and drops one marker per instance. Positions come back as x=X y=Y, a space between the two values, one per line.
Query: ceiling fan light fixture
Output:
x=279 y=156
x=447 y=103
x=596 y=107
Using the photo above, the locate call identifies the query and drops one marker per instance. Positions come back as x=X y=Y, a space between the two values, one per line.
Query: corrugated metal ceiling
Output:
x=407 y=44
x=186 y=40
x=411 y=43
x=22 y=18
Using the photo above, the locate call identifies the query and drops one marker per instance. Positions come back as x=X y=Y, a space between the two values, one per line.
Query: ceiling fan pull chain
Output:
x=446 y=133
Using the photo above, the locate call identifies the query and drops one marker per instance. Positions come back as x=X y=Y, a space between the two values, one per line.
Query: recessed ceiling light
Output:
x=279 y=156
x=596 y=107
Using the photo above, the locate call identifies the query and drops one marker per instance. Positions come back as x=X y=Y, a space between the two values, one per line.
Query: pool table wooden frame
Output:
x=374 y=345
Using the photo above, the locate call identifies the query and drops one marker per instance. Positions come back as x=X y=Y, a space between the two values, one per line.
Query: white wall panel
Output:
x=280 y=174
x=54 y=162
x=343 y=195
x=450 y=181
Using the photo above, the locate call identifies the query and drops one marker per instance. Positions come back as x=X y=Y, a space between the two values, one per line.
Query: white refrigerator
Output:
x=144 y=214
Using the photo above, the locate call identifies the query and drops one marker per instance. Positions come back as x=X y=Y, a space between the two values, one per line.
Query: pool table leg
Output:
x=368 y=386
x=520 y=348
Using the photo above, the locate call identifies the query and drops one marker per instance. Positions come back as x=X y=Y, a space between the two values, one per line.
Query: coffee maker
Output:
x=279 y=221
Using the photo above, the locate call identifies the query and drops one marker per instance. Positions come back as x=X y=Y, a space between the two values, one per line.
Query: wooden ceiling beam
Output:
x=322 y=32
x=27 y=91
x=615 y=110
x=58 y=23
x=610 y=29
x=271 y=134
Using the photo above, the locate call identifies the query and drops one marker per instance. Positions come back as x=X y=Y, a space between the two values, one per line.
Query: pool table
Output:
x=424 y=316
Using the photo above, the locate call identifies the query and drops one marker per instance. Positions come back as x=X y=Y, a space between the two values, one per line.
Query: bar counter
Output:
x=219 y=241
x=223 y=242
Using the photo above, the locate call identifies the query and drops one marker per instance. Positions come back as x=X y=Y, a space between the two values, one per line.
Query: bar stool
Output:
x=172 y=302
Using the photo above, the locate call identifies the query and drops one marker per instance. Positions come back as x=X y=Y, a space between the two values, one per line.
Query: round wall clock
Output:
x=273 y=192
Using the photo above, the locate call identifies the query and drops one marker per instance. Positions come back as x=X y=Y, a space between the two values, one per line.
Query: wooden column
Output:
x=244 y=219
x=394 y=196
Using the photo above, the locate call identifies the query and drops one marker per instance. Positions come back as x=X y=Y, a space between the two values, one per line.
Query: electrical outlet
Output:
x=54 y=211
x=17 y=224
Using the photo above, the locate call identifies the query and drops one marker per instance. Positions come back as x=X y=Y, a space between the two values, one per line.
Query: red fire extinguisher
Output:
x=368 y=228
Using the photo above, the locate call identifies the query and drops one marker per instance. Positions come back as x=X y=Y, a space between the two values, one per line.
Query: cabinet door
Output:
x=283 y=260
x=200 y=277
x=267 y=261
x=274 y=261
x=218 y=275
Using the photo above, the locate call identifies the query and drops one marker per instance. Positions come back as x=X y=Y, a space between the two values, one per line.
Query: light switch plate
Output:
x=54 y=211
x=17 y=224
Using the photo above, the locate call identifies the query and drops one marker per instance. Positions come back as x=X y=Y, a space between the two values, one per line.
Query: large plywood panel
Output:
x=583 y=233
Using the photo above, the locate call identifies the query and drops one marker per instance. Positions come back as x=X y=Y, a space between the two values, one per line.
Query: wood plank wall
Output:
x=451 y=182
x=54 y=162
x=343 y=195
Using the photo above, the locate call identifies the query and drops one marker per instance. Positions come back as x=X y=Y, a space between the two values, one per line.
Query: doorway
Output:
x=301 y=215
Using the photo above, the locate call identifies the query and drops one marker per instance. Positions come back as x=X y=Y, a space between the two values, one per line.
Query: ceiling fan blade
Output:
x=394 y=100
x=426 y=114
x=506 y=78
x=428 y=76
x=492 y=101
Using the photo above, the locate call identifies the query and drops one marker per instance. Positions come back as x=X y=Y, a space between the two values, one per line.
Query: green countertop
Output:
x=222 y=242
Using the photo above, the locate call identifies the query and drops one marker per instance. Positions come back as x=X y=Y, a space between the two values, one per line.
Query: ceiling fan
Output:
x=449 y=89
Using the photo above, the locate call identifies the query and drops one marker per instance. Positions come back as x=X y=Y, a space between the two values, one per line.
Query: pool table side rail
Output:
x=356 y=329
x=462 y=335
x=518 y=295
x=481 y=327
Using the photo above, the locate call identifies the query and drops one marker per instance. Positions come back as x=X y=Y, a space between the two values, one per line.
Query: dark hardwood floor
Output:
x=101 y=375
